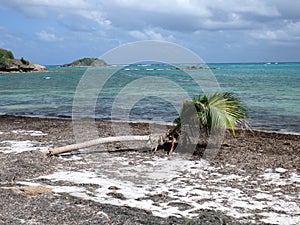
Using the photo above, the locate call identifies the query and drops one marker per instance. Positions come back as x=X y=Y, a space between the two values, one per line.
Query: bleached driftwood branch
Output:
x=152 y=141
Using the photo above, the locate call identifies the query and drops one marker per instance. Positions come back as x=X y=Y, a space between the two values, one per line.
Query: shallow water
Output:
x=270 y=92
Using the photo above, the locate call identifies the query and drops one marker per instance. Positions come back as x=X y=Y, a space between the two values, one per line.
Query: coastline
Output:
x=19 y=72
x=253 y=163
x=168 y=124
x=262 y=107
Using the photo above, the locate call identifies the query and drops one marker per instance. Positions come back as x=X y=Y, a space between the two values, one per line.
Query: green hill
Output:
x=6 y=57
x=8 y=63
x=86 y=62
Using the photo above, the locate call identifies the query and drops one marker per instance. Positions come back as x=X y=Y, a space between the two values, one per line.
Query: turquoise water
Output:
x=271 y=92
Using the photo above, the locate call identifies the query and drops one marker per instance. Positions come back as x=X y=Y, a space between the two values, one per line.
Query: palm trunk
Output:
x=98 y=141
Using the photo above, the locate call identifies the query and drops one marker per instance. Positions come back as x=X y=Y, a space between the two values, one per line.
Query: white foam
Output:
x=232 y=201
x=29 y=132
x=277 y=218
x=76 y=191
x=26 y=183
x=295 y=178
x=275 y=178
x=280 y=170
x=13 y=146
x=197 y=185
x=263 y=196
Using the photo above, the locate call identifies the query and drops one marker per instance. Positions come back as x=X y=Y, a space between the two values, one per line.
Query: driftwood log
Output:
x=73 y=147
x=153 y=141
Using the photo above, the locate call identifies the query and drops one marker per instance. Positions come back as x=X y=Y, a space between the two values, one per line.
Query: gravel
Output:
x=251 y=153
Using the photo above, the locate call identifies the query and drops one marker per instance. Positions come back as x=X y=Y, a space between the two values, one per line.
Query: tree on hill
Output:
x=24 y=61
x=86 y=62
x=8 y=64
x=6 y=56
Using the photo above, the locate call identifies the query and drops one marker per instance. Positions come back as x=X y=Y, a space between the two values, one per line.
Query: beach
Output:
x=131 y=112
x=254 y=178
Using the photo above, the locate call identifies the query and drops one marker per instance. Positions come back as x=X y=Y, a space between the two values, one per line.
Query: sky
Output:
x=54 y=32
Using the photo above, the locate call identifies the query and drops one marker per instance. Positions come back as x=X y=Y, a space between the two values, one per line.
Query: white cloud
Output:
x=164 y=7
x=289 y=32
x=172 y=15
x=46 y=36
x=206 y=25
x=184 y=15
x=149 y=34
x=71 y=4
x=95 y=16
x=61 y=10
x=181 y=15
x=254 y=7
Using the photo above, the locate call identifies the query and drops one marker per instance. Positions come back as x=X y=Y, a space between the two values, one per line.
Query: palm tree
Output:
x=221 y=110
x=207 y=113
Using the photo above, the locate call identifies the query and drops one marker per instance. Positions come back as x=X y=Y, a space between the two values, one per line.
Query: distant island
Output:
x=195 y=68
x=86 y=62
x=8 y=64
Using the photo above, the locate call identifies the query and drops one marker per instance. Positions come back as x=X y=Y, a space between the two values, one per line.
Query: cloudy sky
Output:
x=59 y=31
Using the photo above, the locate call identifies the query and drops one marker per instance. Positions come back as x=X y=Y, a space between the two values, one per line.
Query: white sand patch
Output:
x=26 y=183
x=29 y=132
x=180 y=187
x=277 y=179
x=263 y=196
x=280 y=170
x=77 y=159
x=295 y=178
x=12 y=146
x=76 y=191
x=282 y=219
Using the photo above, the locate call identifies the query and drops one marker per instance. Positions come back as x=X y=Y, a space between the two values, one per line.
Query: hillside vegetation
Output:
x=86 y=62
x=8 y=63
x=6 y=56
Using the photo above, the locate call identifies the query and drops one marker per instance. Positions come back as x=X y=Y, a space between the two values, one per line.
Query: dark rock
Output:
x=117 y=195
x=16 y=66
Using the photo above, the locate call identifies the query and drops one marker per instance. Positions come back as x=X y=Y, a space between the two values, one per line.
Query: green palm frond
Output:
x=219 y=110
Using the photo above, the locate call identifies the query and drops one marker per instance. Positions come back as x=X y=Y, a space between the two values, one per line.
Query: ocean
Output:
x=270 y=92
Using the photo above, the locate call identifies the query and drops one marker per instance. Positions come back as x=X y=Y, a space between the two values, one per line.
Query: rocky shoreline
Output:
x=8 y=64
x=16 y=66
x=29 y=195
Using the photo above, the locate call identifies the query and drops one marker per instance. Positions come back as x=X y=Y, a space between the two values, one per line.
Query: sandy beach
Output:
x=255 y=178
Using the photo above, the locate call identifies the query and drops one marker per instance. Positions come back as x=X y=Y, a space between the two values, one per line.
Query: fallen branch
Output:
x=150 y=139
